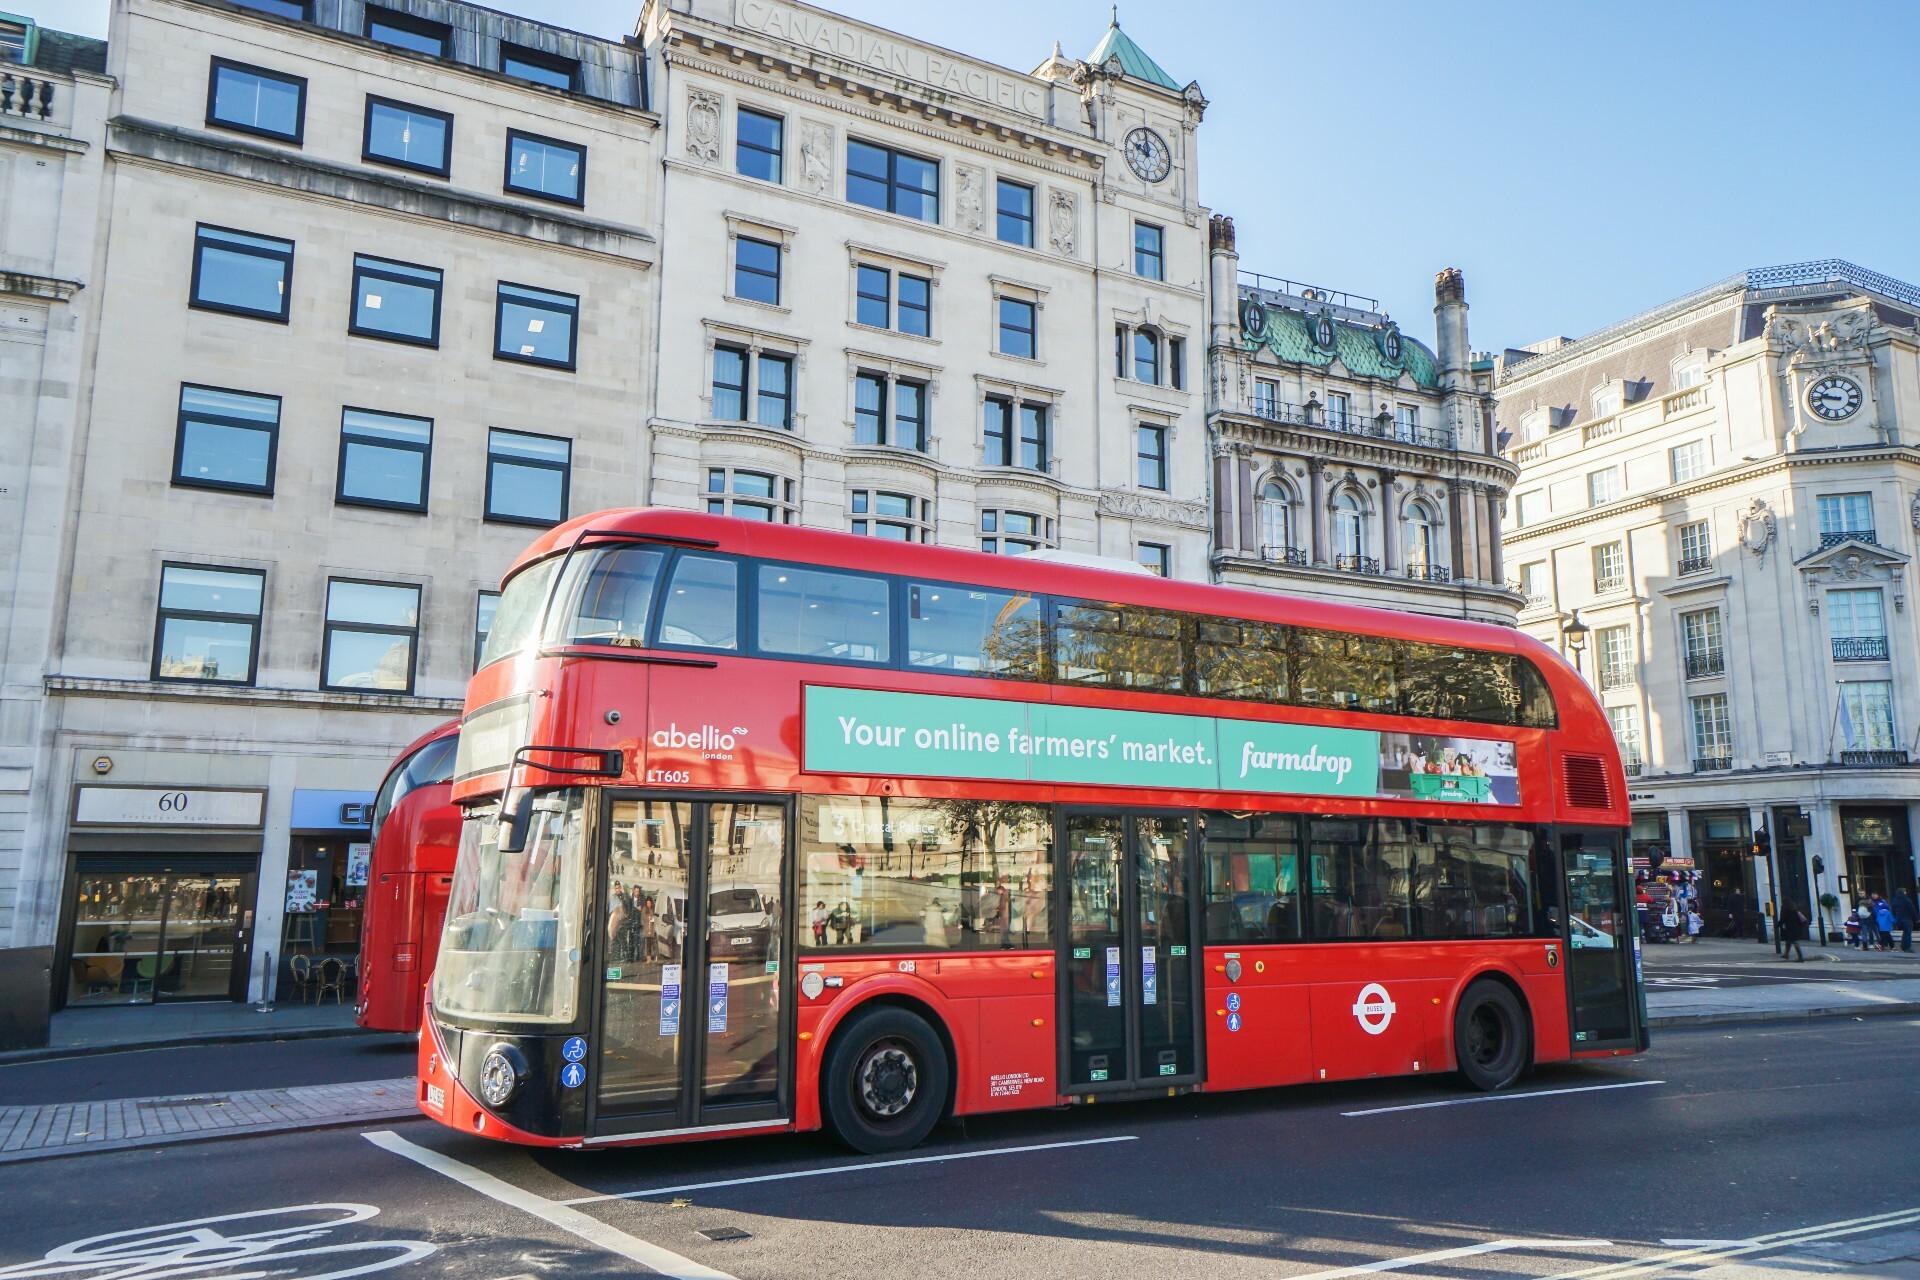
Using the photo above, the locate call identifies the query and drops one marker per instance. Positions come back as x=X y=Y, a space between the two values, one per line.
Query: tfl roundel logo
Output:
x=1374 y=1008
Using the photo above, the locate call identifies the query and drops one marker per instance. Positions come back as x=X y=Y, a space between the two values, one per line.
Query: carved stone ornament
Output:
x=1801 y=340
x=1061 y=222
x=968 y=199
x=1913 y=512
x=1184 y=515
x=1757 y=528
x=816 y=158
x=703 y=125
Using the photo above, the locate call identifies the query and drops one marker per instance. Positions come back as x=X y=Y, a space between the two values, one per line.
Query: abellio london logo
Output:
x=709 y=740
x=1374 y=1008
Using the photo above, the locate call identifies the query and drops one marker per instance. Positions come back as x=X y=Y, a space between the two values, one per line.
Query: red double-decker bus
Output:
x=770 y=828
x=416 y=833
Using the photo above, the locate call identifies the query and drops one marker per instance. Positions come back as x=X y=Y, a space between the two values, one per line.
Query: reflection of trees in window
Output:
x=1119 y=646
x=1241 y=660
x=1457 y=684
x=1354 y=673
x=1015 y=645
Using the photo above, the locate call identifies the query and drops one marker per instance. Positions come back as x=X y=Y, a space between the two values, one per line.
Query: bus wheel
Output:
x=1491 y=1037
x=885 y=1080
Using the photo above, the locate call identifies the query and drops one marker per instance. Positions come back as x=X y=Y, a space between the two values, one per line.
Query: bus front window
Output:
x=511 y=949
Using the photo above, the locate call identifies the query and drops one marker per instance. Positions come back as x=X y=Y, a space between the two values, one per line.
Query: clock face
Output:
x=1147 y=155
x=1834 y=397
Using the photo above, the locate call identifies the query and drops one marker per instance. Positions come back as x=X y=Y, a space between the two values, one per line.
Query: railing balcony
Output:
x=1357 y=564
x=1352 y=424
x=1605 y=429
x=1695 y=564
x=1632 y=765
x=1873 y=757
x=1708 y=764
x=27 y=95
x=1534 y=600
x=1839 y=536
x=1618 y=677
x=1531 y=451
x=1429 y=573
x=1291 y=556
x=1681 y=401
x=1603 y=585
x=1859 y=648
x=1702 y=665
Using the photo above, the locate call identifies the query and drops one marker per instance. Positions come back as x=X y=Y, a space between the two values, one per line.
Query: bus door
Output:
x=690 y=1027
x=1602 y=963
x=1128 y=961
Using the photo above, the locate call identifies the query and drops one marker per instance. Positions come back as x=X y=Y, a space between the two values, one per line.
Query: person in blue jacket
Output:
x=1883 y=921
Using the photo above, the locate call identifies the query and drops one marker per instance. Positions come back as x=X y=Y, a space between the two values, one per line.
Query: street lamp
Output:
x=1574 y=633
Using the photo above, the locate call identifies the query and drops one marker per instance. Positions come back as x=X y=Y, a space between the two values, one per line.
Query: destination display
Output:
x=868 y=731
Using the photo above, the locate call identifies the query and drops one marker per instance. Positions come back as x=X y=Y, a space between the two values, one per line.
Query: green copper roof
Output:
x=1133 y=59
x=1357 y=346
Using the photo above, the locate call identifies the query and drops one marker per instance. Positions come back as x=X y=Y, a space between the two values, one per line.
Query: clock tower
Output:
x=1826 y=372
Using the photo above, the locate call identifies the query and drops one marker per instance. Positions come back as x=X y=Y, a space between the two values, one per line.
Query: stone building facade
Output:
x=1716 y=514
x=1351 y=461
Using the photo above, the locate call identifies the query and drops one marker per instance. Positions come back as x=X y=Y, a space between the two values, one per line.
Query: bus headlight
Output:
x=500 y=1076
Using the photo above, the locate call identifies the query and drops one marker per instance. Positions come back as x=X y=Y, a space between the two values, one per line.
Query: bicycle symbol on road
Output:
x=201 y=1249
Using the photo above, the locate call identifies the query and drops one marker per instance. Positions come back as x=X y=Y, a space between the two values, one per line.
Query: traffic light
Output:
x=1762 y=843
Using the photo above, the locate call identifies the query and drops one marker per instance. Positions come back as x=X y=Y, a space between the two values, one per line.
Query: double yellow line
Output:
x=1736 y=1249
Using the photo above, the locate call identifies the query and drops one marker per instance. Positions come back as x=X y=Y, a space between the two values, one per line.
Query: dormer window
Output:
x=1606 y=403
x=1689 y=375
x=16 y=41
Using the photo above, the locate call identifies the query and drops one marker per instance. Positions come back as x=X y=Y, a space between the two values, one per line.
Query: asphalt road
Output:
x=1721 y=1134
x=211 y=1068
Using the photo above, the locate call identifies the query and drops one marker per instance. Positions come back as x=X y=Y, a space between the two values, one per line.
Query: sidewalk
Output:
x=36 y=1133
x=1836 y=998
x=102 y=1030
x=1892 y=1255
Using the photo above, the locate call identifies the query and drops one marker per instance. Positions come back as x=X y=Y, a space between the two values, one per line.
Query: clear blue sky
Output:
x=1579 y=161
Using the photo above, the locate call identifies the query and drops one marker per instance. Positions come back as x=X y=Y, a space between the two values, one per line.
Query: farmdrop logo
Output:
x=867 y=731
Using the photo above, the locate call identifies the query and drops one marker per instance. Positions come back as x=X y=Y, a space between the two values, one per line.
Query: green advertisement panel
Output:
x=935 y=736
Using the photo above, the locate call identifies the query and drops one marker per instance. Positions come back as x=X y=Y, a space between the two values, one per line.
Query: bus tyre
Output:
x=885 y=1081
x=1491 y=1037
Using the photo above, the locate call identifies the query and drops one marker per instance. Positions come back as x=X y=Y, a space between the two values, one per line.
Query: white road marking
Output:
x=1736 y=1249
x=1446 y=1255
x=845 y=1168
x=588 y=1228
x=202 y=1246
x=1503 y=1097
x=1684 y=1243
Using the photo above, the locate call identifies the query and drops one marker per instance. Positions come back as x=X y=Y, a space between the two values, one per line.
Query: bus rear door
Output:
x=1601 y=960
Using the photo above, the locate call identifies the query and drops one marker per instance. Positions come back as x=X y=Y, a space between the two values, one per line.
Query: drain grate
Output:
x=725 y=1233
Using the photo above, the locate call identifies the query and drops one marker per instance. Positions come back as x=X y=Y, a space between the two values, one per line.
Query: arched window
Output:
x=1423 y=540
x=1276 y=517
x=1146 y=356
x=1349 y=524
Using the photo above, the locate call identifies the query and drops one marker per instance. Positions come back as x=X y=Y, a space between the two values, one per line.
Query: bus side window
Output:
x=701 y=609
x=1253 y=877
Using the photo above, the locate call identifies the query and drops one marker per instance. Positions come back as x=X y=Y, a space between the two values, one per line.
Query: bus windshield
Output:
x=512 y=944
x=518 y=613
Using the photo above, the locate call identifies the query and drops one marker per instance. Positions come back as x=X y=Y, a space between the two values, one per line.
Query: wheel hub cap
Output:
x=888 y=1080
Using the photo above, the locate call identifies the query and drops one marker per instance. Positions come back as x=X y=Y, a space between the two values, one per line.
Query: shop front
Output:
x=328 y=854
x=160 y=902
x=1879 y=852
x=1722 y=841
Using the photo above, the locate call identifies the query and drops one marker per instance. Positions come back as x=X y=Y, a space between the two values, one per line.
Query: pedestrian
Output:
x=1736 y=914
x=1904 y=916
x=1883 y=921
x=1792 y=927
x=1869 y=935
x=819 y=924
x=1853 y=928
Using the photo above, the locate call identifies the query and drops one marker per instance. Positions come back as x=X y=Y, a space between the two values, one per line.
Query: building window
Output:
x=893 y=181
x=899 y=517
x=1613 y=647
x=1016 y=434
x=1603 y=486
x=1857 y=622
x=1701 y=642
x=397 y=301
x=1266 y=397
x=1689 y=376
x=528 y=477
x=1712 y=732
x=1626 y=733
x=535 y=326
x=1276 y=520
x=406 y=31
x=18 y=41
x=1866 y=715
x=1689 y=461
x=540 y=67
x=208 y=627
x=255 y=100
x=546 y=168
x=888 y=411
x=1150 y=455
x=1149 y=251
x=1013 y=209
x=1406 y=421
x=240 y=273
x=407 y=137
x=1845 y=516
x=1423 y=544
x=1017 y=325
x=1013 y=533
x=759 y=145
x=1349 y=526
x=384 y=460
x=1339 y=410
x=1609 y=566
x=749 y=495
x=756 y=270
x=293 y=10
x=1696 y=550
x=488 y=605
x=1177 y=363
x=1529 y=507
x=1156 y=558
x=874 y=303
x=771 y=387
x=372 y=631
x=1533 y=582
x=1606 y=404
x=226 y=440
x=1146 y=356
